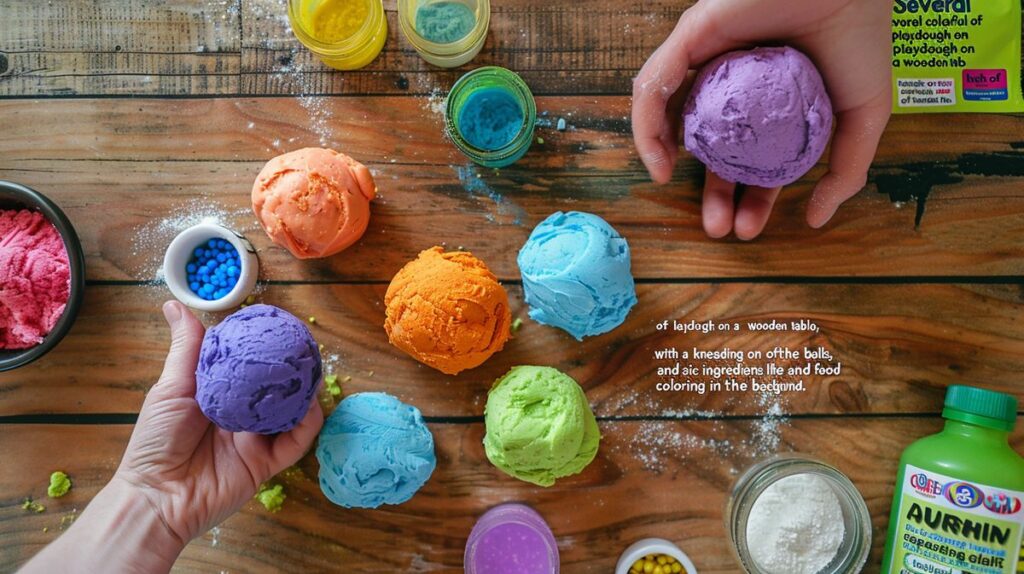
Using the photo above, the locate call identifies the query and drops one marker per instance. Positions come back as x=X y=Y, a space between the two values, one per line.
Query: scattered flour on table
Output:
x=662 y=445
x=149 y=241
x=295 y=70
x=505 y=211
x=795 y=526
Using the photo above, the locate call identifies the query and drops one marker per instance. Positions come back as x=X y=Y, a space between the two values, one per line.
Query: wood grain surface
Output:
x=118 y=165
x=899 y=346
x=140 y=117
x=666 y=479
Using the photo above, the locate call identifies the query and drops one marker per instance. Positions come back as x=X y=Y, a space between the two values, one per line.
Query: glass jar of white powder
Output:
x=796 y=515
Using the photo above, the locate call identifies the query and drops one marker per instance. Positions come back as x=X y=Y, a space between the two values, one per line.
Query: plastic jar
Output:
x=856 y=545
x=511 y=529
x=448 y=54
x=486 y=79
x=350 y=53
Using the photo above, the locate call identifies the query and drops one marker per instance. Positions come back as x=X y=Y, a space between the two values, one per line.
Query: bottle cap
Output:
x=981 y=407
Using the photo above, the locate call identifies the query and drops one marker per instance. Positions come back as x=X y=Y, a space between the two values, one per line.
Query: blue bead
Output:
x=232 y=271
x=198 y=252
x=221 y=257
x=191 y=268
x=193 y=286
x=212 y=242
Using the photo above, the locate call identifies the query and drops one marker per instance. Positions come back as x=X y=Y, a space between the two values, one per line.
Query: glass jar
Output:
x=511 y=533
x=349 y=53
x=449 y=54
x=491 y=78
x=856 y=545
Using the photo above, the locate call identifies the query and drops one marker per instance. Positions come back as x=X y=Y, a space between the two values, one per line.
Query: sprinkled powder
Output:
x=505 y=210
x=444 y=22
x=150 y=240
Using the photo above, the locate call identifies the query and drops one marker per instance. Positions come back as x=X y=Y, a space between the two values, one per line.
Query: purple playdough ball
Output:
x=258 y=371
x=759 y=117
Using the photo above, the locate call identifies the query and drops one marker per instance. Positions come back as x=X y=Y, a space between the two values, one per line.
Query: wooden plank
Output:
x=226 y=46
x=179 y=47
x=679 y=494
x=153 y=160
x=137 y=47
x=899 y=346
x=584 y=47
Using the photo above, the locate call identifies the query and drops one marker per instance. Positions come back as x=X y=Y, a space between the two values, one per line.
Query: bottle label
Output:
x=949 y=526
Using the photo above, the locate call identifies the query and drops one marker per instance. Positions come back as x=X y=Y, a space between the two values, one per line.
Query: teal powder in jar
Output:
x=444 y=22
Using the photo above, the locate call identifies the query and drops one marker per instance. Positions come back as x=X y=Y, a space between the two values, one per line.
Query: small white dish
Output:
x=179 y=252
x=647 y=546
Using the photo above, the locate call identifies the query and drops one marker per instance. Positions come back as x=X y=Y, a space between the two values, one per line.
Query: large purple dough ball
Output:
x=258 y=371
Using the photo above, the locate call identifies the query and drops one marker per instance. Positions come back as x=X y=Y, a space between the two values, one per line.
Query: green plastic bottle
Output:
x=957 y=506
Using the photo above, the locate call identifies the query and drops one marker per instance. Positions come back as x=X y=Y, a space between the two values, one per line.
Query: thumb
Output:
x=179 y=376
x=858 y=132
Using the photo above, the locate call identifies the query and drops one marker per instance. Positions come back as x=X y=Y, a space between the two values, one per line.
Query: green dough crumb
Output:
x=60 y=484
x=271 y=497
x=32 y=506
x=332 y=385
x=516 y=325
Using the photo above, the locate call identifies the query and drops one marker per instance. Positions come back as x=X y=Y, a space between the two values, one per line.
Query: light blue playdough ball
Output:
x=576 y=274
x=374 y=450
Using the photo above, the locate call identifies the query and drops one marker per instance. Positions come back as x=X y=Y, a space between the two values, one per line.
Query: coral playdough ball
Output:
x=313 y=202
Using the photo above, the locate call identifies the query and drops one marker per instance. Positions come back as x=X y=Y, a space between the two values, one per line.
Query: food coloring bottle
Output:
x=957 y=507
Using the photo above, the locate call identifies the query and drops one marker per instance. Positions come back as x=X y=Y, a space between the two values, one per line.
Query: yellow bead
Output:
x=662 y=559
x=677 y=568
x=658 y=570
x=648 y=567
x=639 y=564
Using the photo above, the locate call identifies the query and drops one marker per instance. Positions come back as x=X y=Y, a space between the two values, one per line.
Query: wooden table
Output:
x=132 y=112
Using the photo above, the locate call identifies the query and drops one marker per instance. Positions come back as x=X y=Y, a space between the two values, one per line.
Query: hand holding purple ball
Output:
x=849 y=42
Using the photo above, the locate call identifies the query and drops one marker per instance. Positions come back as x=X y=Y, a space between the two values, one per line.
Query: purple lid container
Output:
x=511 y=539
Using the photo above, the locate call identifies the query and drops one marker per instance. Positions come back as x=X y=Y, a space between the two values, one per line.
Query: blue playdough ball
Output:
x=374 y=450
x=576 y=274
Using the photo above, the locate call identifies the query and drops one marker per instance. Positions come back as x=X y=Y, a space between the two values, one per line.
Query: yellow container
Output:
x=344 y=34
x=450 y=54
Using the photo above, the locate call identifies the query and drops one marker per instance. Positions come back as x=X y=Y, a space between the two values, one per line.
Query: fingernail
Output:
x=172 y=312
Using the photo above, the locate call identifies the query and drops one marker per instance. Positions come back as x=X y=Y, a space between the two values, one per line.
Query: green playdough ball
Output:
x=539 y=425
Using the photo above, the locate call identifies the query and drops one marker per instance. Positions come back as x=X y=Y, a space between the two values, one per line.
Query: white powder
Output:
x=795 y=526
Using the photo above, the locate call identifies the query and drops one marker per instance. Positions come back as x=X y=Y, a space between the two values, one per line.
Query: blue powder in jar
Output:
x=490 y=119
x=444 y=22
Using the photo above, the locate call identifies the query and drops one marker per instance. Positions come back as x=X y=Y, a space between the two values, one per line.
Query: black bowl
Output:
x=16 y=196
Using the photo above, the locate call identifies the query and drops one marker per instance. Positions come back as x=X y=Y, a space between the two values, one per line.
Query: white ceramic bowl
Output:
x=180 y=251
x=647 y=546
